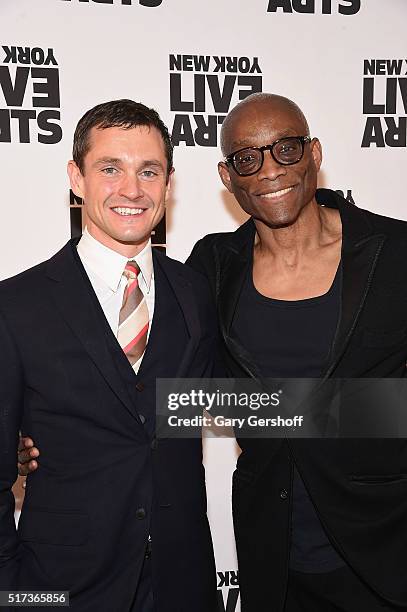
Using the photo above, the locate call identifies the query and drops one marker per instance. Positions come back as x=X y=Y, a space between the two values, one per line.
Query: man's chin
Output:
x=277 y=221
x=132 y=240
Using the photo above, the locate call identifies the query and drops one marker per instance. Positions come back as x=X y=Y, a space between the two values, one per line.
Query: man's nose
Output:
x=131 y=187
x=270 y=169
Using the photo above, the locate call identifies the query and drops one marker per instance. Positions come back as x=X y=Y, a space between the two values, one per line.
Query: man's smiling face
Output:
x=276 y=194
x=124 y=185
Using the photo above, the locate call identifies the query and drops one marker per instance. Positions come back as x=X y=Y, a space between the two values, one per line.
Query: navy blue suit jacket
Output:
x=105 y=482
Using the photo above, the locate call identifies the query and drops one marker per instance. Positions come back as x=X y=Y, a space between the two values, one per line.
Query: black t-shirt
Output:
x=292 y=339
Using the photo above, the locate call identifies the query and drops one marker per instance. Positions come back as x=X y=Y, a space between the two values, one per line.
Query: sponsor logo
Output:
x=228 y=591
x=385 y=102
x=149 y=3
x=202 y=90
x=346 y=194
x=324 y=7
x=29 y=96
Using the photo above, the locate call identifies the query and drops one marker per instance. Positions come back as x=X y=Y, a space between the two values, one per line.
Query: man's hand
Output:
x=27 y=453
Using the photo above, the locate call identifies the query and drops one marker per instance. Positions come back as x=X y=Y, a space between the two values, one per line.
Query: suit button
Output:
x=142 y=418
x=140 y=513
x=154 y=444
x=140 y=386
x=283 y=494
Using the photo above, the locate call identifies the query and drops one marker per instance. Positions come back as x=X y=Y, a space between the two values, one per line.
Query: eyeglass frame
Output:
x=303 y=139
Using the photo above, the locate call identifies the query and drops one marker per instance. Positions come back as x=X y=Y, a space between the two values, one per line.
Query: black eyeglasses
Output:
x=285 y=151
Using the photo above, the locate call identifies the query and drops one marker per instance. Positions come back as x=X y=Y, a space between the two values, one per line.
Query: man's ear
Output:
x=169 y=184
x=316 y=152
x=225 y=176
x=75 y=179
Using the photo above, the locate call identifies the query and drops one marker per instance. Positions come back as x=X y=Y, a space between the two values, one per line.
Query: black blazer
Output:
x=358 y=486
x=105 y=481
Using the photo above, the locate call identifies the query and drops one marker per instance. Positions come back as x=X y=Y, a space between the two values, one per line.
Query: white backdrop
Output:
x=342 y=61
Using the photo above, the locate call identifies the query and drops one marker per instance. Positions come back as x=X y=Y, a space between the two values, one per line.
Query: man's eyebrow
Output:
x=237 y=144
x=152 y=162
x=107 y=160
x=117 y=161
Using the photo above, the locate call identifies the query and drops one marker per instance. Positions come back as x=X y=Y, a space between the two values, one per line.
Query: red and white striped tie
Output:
x=133 y=317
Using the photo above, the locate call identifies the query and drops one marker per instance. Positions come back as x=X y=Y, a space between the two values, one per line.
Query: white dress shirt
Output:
x=105 y=269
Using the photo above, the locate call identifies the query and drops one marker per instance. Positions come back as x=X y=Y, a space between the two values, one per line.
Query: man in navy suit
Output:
x=114 y=515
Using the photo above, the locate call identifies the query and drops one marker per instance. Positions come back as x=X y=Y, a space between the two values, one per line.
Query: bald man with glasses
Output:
x=302 y=291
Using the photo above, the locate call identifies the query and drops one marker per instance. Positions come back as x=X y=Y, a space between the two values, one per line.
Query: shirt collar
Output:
x=109 y=265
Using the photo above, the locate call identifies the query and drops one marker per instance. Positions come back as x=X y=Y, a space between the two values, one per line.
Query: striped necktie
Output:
x=133 y=317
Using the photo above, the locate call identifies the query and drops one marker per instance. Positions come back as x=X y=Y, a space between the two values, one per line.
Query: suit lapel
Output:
x=184 y=294
x=360 y=252
x=232 y=273
x=74 y=298
x=358 y=265
x=234 y=269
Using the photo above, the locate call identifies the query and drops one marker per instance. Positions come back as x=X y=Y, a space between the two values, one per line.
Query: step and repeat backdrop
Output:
x=343 y=61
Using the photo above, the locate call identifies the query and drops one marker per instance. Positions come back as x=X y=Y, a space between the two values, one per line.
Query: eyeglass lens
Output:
x=286 y=151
